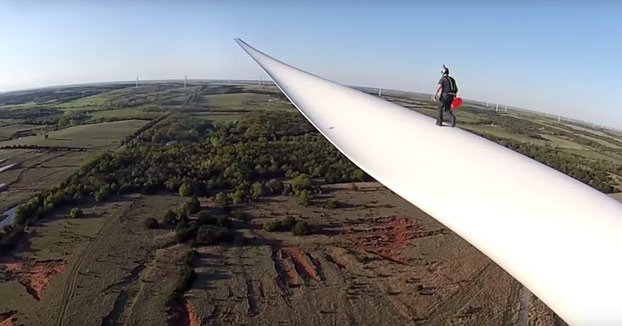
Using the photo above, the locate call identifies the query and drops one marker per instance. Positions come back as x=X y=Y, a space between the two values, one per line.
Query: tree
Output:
x=151 y=223
x=46 y=136
x=185 y=190
x=76 y=213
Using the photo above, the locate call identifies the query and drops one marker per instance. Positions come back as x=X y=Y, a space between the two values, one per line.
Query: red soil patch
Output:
x=385 y=236
x=300 y=259
x=35 y=276
x=282 y=267
x=6 y=318
x=192 y=315
x=11 y=265
x=183 y=314
x=334 y=260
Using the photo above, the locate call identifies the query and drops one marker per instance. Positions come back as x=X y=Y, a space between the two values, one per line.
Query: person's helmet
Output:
x=445 y=70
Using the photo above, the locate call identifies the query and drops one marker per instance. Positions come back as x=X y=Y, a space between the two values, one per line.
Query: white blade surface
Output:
x=560 y=238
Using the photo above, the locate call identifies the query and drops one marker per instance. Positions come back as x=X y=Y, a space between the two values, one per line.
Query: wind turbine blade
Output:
x=559 y=237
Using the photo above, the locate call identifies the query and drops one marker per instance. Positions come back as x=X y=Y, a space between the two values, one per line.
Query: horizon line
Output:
x=515 y=108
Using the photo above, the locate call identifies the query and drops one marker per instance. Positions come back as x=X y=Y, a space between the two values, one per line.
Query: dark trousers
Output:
x=444 y=105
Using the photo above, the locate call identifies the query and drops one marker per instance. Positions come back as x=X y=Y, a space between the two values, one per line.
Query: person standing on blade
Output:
x=448 y=89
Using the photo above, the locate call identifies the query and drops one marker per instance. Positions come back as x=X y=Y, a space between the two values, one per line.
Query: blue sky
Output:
x=557 y=57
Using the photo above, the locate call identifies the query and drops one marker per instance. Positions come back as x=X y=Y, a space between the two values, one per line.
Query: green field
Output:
x=89 y=101
x=218 y=116
x=101 y=136
x=245 y=101
x=9 y=131
x=128 y=113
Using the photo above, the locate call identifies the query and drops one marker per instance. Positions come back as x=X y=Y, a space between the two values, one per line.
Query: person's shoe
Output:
x=439 y=123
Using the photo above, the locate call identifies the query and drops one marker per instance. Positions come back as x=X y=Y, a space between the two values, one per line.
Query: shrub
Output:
x=76 y=213
x=223 y=221
x=205 y=218
x=220 y=197
x=205 y=236
x=240 y=215
x=332 y=204
x=9 y=240
x=287 y=190
x=237 y=197
x=272 y=226
x=194 y=206
x=185 y=231
x=354 y=187
x=151 y=223
x=102 y=194
x=286 y=224
x=303 y=198
x=209 y=235
x=274 y=186
x=185 y=190
x=170 y=217
x=301 y=182
x=358 y=175
x=186 y=273
x=300 y=228
x=182 y=212
x=257 y=190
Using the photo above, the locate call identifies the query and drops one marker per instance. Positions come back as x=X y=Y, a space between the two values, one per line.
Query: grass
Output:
x=245 y=101
x=7 y=131
x=218 y=117
x=102 y=136
x=501 y=132
x=127 y=113
x=89 y=101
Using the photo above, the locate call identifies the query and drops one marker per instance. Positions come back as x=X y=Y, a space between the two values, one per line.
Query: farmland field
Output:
x=99 y=136
x=36 y=171
x=245 y=101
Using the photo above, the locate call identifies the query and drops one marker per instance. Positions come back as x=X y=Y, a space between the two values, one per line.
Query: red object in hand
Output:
x=456 y=103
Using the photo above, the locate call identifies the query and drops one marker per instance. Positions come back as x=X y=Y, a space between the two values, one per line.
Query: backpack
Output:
x=453 y=87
